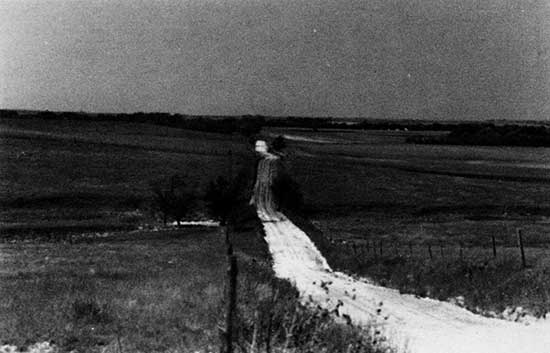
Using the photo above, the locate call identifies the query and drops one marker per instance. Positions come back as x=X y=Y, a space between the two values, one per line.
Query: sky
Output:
x=401 y=59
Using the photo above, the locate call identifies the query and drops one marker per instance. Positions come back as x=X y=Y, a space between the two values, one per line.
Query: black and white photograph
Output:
x=274 y=176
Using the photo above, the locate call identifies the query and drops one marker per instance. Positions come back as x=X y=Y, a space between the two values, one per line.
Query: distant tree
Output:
x=225 y=198
x=286 y=192
x=279 y=143
x=250 y=126
x=7 y=113
x=174 y=199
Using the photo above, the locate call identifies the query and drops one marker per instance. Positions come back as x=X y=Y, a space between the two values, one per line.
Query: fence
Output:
x=483 y=248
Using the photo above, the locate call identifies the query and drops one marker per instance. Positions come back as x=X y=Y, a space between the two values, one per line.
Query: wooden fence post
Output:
x=231 y=302
x=430 y=251
x=254 y=342
x=231 y=294
x=520 y=244
x=494 y=246
x=380 y=247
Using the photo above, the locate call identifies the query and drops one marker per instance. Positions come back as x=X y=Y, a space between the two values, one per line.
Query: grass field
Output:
x=372 y=188
x=139 y=288
x=157 y=292
x=96 y=175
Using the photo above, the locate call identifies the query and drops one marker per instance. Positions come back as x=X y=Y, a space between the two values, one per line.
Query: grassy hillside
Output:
x=156 y=292
x=95 y=175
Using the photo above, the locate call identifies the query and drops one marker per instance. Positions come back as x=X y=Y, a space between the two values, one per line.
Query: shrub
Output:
x=286 y=192
x=90 y=312
x=174 y=199
x=270 y=318
x=279 y=143
x=226 y=199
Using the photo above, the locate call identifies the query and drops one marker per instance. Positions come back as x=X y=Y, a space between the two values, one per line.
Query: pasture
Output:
x=134 y=291
x=371 y=189
x=158 y=291
x=66 y=175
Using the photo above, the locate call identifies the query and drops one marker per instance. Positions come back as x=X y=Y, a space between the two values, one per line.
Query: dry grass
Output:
x=156 y=292
x=151 y=289
x=487 y=284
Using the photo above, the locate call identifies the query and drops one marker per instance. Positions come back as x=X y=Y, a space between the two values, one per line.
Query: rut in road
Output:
x=412 y=324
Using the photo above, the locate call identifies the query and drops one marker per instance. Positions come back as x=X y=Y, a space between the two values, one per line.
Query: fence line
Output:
x=379 y=249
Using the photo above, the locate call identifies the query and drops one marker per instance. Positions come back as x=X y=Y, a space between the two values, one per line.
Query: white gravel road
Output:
x=416 y=325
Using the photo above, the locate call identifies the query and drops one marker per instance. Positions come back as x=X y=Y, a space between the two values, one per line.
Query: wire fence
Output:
x=517 y=245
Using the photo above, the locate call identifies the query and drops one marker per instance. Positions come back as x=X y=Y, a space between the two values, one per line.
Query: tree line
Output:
x=226 y=199
x=490 y=135
x=463 y=133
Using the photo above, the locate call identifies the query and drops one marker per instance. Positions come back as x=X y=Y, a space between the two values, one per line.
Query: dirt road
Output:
x=418 y=325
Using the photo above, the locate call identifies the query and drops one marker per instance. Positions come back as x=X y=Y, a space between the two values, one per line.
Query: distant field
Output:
x=370 y=186
x=95 y=175
x=419 y=180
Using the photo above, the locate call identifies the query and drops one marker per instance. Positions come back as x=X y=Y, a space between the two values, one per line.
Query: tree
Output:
x=250 y=126
x=225 y=199
x=279 y=143
x=174 y=199
x=286 y=192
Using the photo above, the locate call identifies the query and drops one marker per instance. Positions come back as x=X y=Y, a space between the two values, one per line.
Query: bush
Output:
x=89 y=311
x=279 y=143
x=174 y=199
x=226 y=199
x=490 y=135
x=286 y=192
